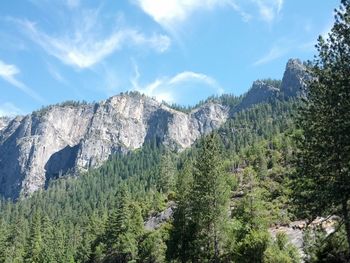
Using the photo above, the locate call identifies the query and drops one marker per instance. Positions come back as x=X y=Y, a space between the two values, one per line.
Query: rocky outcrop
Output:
x=4 y=121
x=260 y=92
x=295 y=230
x=294 y=83
x=53 y=141
x=157 y=220
x=295 y=79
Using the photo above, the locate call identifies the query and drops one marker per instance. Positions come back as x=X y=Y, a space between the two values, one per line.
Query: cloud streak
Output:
x=170 y=13
x=83 y=48
x=171 y=89
x=10 y=110
x=8 y=73
x=274 y=53
x=269 y=9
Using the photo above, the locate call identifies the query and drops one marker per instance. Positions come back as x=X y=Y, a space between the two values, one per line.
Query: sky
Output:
x=179 y=51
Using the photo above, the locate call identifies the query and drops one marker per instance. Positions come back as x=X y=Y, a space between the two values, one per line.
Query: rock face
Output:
x=4 y=121
x=157 y=220
x=45 y=144
x=259 y=92
x=295 y=79
x=295 y=230
x=294 y=83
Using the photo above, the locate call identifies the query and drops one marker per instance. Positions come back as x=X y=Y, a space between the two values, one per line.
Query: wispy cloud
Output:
x=274 y=53
x=269 y=9
x=55 y=74
x=170 y=89
x=170 y=13
x=83 y=46
x=236 y=7
x=8 y=73
x=8 y=109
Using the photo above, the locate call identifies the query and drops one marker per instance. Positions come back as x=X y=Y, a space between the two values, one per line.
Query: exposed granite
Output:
x=45 y=144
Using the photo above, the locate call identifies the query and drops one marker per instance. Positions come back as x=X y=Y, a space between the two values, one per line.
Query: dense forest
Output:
x=267 y=166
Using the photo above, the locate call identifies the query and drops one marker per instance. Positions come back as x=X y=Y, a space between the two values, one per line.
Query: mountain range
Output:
x=72 y=136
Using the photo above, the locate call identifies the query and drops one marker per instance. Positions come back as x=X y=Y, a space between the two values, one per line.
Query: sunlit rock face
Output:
x=51 y=142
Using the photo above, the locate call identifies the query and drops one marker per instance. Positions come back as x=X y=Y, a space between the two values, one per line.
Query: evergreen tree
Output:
x=322 y=181
x=166 y=173
x=124 y=228
x=35 y=243
x=180 y=234
x=208 y=202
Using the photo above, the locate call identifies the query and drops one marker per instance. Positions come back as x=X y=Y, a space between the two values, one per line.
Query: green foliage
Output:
x=281 y=251
x=322 y=180
x=79 y=211
x=153 y=248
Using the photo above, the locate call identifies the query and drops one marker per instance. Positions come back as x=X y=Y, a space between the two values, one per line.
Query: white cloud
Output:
x=172 y=12
x=274 y=53
x=8 y=73
x=172 y=89
x=9 y=109
x=84 y=47
x=269 y=9
x=169 y=13
x=245 y=16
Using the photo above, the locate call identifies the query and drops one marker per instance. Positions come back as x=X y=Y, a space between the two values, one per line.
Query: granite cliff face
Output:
x=4 y=121
x=45 y=144
x=259 y=92
x=295 y=79
x=294 y=83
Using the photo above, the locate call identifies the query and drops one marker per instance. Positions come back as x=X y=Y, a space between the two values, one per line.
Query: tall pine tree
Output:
x=322 y=181
x=208 y=200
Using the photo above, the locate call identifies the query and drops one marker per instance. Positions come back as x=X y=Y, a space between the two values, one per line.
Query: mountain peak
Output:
x=295 y=79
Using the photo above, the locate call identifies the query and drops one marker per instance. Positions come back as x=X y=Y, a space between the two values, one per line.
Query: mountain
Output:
x=57 y=139
x=77 y=136
x=293 y=84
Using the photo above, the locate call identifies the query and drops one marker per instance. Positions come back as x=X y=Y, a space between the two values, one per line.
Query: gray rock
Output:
x=46 y=144
x=295 y=230
x=156 y=221
x=295 y=79
x=4 y=121
x=260 y=92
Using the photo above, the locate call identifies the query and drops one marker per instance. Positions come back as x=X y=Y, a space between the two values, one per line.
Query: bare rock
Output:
x=58 y=139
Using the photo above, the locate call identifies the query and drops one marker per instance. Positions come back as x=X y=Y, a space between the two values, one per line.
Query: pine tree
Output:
x=166 y=173
x=35 y=242
x=208 y=202
x=322 y=181
x=3 y=237
x=124 y=228
x=180 y=234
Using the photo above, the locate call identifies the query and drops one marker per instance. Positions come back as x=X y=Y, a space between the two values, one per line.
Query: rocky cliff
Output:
x=50 y=142
x=259 y=92
x=4 y=121
x=293 y=84
x=295 y=79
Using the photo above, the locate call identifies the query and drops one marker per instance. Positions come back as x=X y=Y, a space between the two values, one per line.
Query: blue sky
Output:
x=180 y=51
